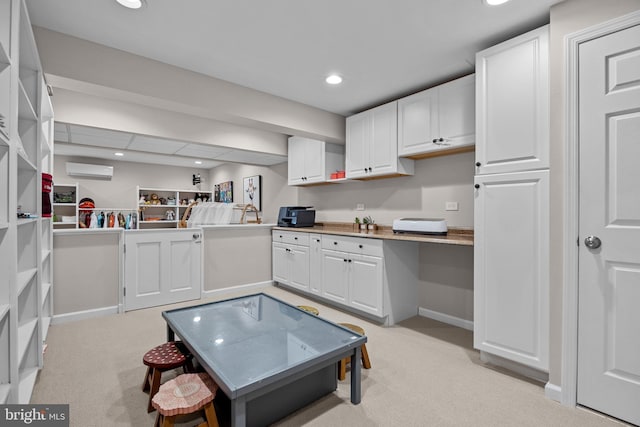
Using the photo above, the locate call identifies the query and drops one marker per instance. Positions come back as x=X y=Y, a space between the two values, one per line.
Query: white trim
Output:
x=516 y=367
x=231 y=289
x=59 y=319
x=553 y=392
x=446 y=318
x=571 y=206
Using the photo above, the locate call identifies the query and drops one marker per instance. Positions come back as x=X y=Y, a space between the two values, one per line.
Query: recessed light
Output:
x=198 y=162
x=334 y=79
x=118 y=154
x=131 y=4
x=495 y=2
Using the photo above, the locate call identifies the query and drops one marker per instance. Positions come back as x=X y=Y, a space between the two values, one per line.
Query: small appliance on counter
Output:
x=296 y=216
x=432 y=226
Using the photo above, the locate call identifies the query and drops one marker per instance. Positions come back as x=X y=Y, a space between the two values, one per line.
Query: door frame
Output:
x=569 y=374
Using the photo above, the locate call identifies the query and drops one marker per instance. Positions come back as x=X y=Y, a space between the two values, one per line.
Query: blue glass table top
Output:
x=257 y=338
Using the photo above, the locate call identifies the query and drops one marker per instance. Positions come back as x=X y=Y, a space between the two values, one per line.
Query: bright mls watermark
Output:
x=34 y=415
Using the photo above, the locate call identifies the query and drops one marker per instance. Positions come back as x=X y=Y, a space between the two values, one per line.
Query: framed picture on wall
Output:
x=252 y=190
x=223 y=192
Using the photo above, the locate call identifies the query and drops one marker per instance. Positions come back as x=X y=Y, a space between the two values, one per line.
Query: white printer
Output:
x=435 y=226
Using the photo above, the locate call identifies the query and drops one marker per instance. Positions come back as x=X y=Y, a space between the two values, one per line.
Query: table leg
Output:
x=170 y=335
x=356 y=376
x=239 y=412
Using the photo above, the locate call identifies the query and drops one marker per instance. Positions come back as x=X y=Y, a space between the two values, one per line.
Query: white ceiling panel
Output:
x=203 y=151
x=98 y=137
x=155 y=145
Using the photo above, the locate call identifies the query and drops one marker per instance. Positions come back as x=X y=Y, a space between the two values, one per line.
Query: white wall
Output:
x=120 y=191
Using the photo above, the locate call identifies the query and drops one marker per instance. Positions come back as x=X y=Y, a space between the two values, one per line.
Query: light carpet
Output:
x=424 y=373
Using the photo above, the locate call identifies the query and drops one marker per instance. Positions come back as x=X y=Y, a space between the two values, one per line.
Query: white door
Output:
x=336 y=272
x=280 y=263
x=357 y=151
x=511 y=267
x=609 y=275
x=383 y=156
x=417 y=122
x=299 y=265
x=315 y=264
x=161 y=267
x=296 y=156
x=365 y=287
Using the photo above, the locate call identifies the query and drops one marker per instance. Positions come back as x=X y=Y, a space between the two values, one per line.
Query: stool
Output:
x=164 y=357
x=309 y=309
x=186 y=394
x=366 y=364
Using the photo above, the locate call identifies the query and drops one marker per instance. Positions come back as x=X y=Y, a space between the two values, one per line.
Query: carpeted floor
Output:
x=424 y=373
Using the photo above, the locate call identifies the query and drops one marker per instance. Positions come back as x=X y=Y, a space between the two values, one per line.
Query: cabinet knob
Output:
x=365 y=170
x=295 y=238
x=360 y=246
x=370 y=169
x=335 y=243
x=434 y=140
x=477 y=185
x=478 y=164
x=344 y=260
x=349 y=260
x=441 y=140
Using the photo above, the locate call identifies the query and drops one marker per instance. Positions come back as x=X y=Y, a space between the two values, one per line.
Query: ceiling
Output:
x=84 y=141
x=383 y=49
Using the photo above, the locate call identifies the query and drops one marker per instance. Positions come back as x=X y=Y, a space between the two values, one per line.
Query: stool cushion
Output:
x=355 y=328
x=165 y=356
x=184 y=394
x=309 y=309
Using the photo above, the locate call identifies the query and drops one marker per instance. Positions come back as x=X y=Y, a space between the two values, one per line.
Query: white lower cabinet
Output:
x=370 y=276
x=291 y=262
x=511 y=267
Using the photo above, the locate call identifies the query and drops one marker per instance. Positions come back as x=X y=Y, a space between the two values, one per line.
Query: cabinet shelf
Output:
x=24 y=277
x=27 y=382
x=45 y=254
x=25 y=108
x=25 y=333
x=46 y=322
x=25 y=221
x=46 y=288
x=24 y=163
x=4 y=393
x=4 y=310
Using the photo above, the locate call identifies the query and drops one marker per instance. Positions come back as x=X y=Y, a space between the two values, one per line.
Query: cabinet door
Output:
x=314 y=161
x=511 y=267
x=299 y=267
x=512 y=104
x=315 y=264
x=280 y=264
x=296 y=158
x=357 y=149
x=457 y=112
x=365 y=284
x=417 y=122
x=336 y=269
x=383 y=155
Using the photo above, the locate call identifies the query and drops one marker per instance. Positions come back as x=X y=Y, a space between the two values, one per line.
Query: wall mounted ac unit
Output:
x=89 y=171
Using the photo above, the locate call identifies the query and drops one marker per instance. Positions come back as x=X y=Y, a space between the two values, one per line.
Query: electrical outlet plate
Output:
x=451 y=206
x=359 y=206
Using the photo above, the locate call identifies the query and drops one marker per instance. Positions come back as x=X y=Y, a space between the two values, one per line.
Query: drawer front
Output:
x=353 y=245
x=289 y=237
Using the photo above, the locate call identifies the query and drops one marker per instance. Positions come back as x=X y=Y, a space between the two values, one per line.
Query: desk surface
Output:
x=252 y=341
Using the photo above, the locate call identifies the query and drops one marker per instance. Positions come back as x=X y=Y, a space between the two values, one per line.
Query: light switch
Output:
x=451 y=206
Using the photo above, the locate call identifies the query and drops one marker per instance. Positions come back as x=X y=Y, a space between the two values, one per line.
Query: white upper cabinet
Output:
x=512 y=104
x=372 y=144
x=312 y=161
x=440 y=120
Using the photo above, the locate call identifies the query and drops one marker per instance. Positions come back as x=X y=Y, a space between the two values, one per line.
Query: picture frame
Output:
x=223 y=192
x=252 y=191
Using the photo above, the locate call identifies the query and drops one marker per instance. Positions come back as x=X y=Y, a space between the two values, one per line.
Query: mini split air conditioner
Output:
x=89 y=171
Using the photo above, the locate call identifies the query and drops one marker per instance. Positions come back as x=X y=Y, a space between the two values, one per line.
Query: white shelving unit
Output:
x=67 y=209
x=26 y=122
x=154 y=215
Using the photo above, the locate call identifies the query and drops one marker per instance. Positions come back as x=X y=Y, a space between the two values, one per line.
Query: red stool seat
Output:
x=186 y=394
x=164 y=357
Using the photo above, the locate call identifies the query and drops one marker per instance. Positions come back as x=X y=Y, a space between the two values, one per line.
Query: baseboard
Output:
x=553 y=392
x=231 y=289
x=516 y=367
x=446 y=318
x=84 y=314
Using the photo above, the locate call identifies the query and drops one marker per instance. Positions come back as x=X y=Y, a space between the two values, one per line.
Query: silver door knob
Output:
x=592 y=242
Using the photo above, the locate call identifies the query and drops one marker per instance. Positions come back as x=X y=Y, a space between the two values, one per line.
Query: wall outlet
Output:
x=451 y=206
x=359 y=206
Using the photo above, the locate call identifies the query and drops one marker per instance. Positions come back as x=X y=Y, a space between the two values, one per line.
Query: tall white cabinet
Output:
x=511 y=210
x=26 y=129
